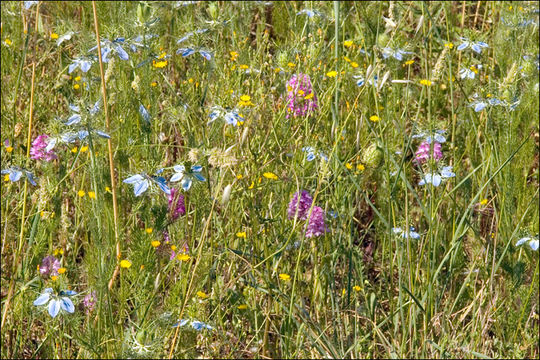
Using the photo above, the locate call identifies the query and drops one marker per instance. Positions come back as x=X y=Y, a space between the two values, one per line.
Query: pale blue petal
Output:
x=133 y=179
x=463 y=46
x=196 y=168
x=436 y=180
x=15 y=175
x=141 y=187
x=73 y=119
x=102 y=134
x=199 y=177
x=85 y=65
x=73 y=66
x=68 y=293
x=480 y=106
x=186 y=183
x=30 y=177
x=522 y=241
x=179 y=168
x=54 y=307
x=177 y=177
x=42 y=299
x=122 y=54
x=67 y=305
x=534 y=244
x=205 y=54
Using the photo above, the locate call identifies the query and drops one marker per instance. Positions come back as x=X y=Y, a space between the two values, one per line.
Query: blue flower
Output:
x=466 y=73
x=139 y=41
x=438 y=136
x=56 y=302
x=231 y=117
x=144 y=113
x=362 y=81
x=141 y=183
x=187 y=177
x=189 y=51
x=108 y=47
x=396 y=54
x=310 y=13
x=197 y=325
x=190 y=34
x=436 y=178
x=83 y=63
x=532 y=242
x=406 y=234
x=29 y=4
x=312 y=154
x=475 y=46
x=15 y=174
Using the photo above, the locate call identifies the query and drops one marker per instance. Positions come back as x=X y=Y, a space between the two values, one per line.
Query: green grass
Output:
x=463 y=289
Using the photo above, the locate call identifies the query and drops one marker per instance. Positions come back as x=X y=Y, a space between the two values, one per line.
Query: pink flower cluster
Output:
x=89 y=301
x=38 y=150
x=300 y=97
x=177 y=206
x=424 y=152
x=49 y=266
x=299 y=206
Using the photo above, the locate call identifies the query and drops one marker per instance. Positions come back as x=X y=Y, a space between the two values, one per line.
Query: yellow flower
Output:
x=270 y=175
x=84 y=148
x=251 y=186
x=155 y=243
x=331 y=74
x=276 y=70
x=74 y=150
x=357 y=288
x=148 y=230
x=81 y=193
x=348 y=166
x=58 y=252
x=243 y=67
x=108 y=189
x=309 y=96
x=62 y=270
x=245 y=100
x=9 y=149
x=91 y=195
x=234 y=55
x=159 y=64
x=425 y=82
x=76 y=86
x=54 y=278
x=348 y=43
x=354 y=64
x=7 y=42
x=239 y=176
x=54 y=36
x=242 y=307
x=449 y=45
x=374 y=118
x=300 y=92
x=6 y=177
x=241 y=234
x=78 y=78
x=183 y=257
x=346 y=59
x=291 y=65
x=173 y=247
x=409 y=62
x=126 y=264
x=483 y=202
x=284 y=277
x=153 y=84
x=162 y=55
x=360 y=167
x=202 y=294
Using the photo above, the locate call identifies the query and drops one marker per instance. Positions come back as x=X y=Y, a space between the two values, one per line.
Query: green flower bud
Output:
x=372 y=156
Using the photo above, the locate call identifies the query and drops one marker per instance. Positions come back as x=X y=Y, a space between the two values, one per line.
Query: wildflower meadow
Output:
x=260 y=179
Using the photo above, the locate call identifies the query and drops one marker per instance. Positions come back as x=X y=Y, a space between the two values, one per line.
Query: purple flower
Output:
x=300 y=207
x=424 y=152
x=89 y=301
x=300 y=96
x=177 y=206
x=49 y=266
x=38 y=150
x=316 y=225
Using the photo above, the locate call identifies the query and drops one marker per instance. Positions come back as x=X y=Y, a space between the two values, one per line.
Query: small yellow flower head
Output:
x=241 y=235
x=155 y=243
x=242 y=307
x=270 y=175
x=354 y=64
x=91 y=195
x=76 y=86
x=108 y=189
x=81 y=193
x=77 y=78
x=348 y=166
x=202 y=294
x=409 y=62
x=251 y=186
x=74 y=150
x=58 y=251
x=374 y=118
x=360 y=167
x=331 y=74
x=7 y=42
x=284 y=277
x=126 y=264
x=183 y=257
x=449 y=45
x=234 y=55
x=346 y=59
x=153 y=84
x=54 y=278
x=84 y=148
x=6 y=178
x=291 y=65
x=309 y=96
x=62 y=270
x=148 y=230
x=484 y=202
x=425 y=82
x=239 y=176
x=54 y=36
x=357 y=288
x=245 y=100
x=348 y=43
x=173 y=247
x=159 y=64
